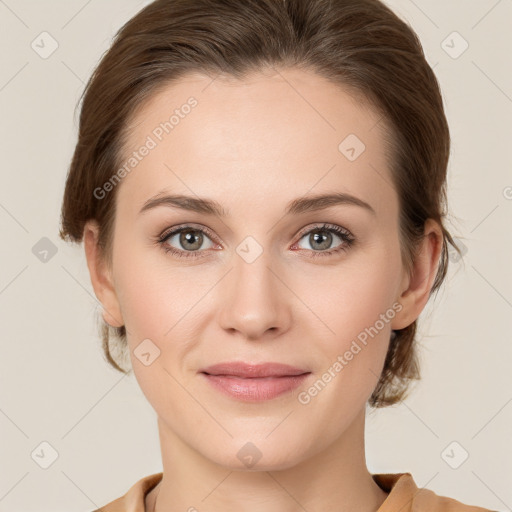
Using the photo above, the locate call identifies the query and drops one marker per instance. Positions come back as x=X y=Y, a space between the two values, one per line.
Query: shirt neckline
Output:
x=400 y=487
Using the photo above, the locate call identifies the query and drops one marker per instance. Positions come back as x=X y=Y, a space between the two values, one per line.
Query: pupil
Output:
x=190 y=239
x=318 y=239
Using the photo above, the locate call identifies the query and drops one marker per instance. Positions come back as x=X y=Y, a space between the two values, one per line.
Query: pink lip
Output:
x=254 y=382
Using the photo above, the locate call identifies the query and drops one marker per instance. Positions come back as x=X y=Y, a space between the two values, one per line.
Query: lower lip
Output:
x=255 y=389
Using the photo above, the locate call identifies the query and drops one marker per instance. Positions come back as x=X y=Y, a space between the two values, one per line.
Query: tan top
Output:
x=403 y=495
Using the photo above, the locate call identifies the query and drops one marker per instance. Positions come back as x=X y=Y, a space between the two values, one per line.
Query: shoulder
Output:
x=429 y=500
x=404 y=495
x=133 y=500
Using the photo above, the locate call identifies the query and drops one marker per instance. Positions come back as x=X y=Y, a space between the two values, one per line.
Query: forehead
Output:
x=273 y=135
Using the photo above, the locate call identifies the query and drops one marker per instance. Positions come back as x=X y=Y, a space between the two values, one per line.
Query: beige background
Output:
x=54 y=384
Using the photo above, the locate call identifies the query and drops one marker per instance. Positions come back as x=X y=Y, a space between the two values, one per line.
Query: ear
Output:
x=415 y=289
x=101 y=276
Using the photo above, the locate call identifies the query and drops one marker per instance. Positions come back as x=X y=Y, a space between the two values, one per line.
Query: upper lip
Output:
x=250 y=370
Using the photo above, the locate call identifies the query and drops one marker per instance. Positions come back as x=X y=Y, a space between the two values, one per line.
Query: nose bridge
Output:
x=252 y=273
x=252 y=303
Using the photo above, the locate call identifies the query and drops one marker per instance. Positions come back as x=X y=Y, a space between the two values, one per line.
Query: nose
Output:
x=254 y=302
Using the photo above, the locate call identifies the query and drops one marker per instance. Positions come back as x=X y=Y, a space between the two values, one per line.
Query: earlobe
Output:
x=419 y=284
x=101 y=276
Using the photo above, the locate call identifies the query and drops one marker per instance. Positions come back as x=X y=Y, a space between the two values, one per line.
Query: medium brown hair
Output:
x=359 y=44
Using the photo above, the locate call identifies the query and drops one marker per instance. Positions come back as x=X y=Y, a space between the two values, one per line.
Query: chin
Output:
x=253 y=455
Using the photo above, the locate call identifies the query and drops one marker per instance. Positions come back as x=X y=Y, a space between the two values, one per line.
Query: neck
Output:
x=335 y=478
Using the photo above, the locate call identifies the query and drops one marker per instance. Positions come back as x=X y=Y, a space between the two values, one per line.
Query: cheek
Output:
x=153 y=294
x=358 y=309
x=156 y=305
x=357 y=295
x=360 y=316
x=141 y=300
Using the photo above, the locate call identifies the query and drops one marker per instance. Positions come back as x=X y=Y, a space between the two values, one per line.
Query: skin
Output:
x=254 y=145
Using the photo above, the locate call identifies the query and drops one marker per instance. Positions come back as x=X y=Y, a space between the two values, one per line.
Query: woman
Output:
x=260 y=189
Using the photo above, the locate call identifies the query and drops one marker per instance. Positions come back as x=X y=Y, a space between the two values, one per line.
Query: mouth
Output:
x=254 y=382
x=250 y=370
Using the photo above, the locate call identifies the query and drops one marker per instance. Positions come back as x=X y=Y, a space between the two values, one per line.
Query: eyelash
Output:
x=346 y=237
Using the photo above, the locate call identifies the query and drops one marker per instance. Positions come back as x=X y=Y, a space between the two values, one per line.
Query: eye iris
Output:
x=317 y=235
x=188 y=239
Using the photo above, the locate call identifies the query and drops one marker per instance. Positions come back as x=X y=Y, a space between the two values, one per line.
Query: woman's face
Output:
x=257 y=284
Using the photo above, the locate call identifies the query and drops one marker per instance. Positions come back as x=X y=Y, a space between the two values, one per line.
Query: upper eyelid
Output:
x=324 y=225
x=182 y=227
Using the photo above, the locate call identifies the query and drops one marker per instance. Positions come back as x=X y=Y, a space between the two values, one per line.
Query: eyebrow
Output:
x=297 y=206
